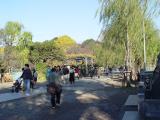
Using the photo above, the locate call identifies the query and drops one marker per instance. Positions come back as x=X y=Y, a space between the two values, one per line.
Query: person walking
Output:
x=34 y=80
x=65 y=74
x=98 y=72
x=54 y=88
x=77 y=72
x=48 y=72
x=27 y=77
x=92 y=72
x=72 y=75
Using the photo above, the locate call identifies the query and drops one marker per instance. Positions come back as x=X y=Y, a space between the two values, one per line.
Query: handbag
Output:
x=58 y=88
x=33 y=82
x=51 y=89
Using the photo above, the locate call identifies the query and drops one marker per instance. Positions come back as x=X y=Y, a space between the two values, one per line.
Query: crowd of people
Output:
x=63 y=74
x=56 y=76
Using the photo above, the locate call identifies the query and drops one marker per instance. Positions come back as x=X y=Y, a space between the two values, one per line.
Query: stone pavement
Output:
x=131 y=115
x=131 y=107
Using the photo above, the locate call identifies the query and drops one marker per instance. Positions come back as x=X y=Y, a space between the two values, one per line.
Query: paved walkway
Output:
x=5 y=85
x=7 y=96
x=86 y=100
x=12 y=96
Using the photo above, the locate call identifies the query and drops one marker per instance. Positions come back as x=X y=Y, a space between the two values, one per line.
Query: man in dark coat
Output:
x=27 y=77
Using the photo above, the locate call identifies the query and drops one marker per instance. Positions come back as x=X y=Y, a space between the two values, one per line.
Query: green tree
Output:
x=24 y=43
x=12 y=32
x=16 y=44
x=2 y=36
x=123 y=28
x=46 y=51
x=89 y=43
x=25 y=40
x=96 y=48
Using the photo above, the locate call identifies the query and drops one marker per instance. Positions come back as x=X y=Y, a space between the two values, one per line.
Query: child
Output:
x=17 y=85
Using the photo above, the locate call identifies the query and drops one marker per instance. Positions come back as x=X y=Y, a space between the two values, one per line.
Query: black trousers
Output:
x=71 y=78
x=31 y=85
x=55 y=98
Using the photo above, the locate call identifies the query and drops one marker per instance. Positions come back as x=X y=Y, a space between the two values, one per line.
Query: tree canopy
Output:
x=15 y=43
x=123 y=31
x=12 y=31
x=45 y=51
x=64 y=42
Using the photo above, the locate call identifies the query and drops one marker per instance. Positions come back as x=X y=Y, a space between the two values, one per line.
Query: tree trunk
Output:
x=144 y=41
x=127 y=56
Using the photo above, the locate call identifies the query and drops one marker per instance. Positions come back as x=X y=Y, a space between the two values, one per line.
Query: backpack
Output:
x=65 y=71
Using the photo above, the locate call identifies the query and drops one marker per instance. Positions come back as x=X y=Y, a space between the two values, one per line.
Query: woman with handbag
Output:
x=54 y=88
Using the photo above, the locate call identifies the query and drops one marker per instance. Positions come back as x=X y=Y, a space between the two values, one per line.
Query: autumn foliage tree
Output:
x=64 y=42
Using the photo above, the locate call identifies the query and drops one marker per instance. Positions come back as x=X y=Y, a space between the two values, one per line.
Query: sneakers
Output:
x=57 y=104
x=27 y=94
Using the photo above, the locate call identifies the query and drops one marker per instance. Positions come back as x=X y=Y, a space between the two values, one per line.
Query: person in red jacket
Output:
x=77 y=72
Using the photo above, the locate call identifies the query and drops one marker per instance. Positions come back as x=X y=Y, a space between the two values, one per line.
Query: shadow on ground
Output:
x=7 y=86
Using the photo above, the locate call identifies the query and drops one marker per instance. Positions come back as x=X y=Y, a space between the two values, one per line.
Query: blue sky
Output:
x=47 y=19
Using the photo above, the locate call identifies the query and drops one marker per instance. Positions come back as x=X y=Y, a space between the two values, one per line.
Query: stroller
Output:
x=17 y=85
